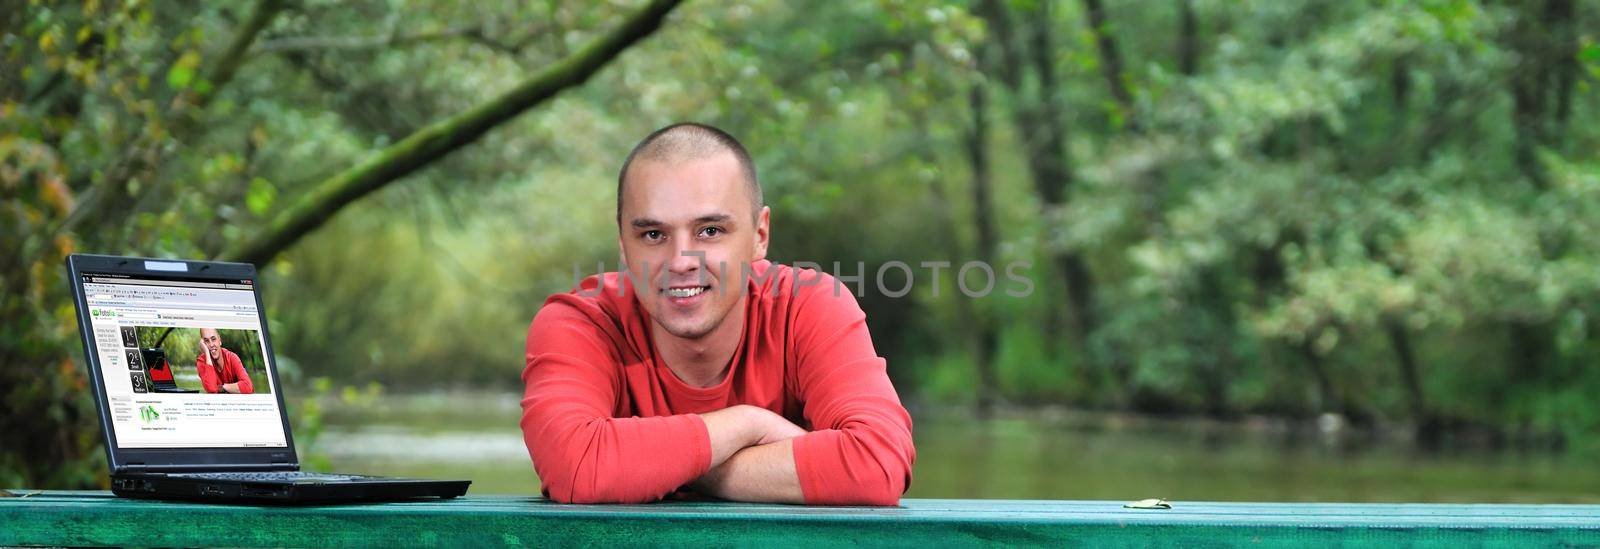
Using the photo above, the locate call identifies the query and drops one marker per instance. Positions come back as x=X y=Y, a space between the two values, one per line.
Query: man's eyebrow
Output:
x=646 y=223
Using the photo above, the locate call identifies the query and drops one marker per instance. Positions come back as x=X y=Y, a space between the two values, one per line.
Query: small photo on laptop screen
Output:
x=203 y=360
x=183 y=361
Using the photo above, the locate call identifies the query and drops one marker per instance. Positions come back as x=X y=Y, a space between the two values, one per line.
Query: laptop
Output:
x=185 y=381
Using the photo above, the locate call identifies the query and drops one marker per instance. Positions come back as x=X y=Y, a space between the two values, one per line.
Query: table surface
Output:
x=99 y=518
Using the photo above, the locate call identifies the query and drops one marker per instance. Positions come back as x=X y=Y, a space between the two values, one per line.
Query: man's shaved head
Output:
x=686 y=141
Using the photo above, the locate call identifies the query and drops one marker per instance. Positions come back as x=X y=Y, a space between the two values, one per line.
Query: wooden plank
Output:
x=98 y=518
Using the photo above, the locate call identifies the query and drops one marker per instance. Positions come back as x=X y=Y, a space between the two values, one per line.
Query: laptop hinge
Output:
x=205 y=467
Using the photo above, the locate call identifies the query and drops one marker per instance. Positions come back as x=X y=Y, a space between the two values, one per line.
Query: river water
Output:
x=1037 y=454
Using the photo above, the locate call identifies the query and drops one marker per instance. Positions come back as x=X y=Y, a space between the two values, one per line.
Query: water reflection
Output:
x=1050 y=454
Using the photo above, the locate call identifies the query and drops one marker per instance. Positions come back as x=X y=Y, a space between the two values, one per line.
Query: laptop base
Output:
x=289 y=492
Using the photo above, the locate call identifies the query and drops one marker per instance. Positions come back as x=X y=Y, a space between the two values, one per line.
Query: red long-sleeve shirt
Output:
x=605 y=420
x=231 y=371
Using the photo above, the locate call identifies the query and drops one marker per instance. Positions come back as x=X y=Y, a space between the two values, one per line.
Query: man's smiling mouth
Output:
x=690 y=291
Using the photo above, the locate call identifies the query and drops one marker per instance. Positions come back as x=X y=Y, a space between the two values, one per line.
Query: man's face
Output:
x=687 y=230
x=212 y=341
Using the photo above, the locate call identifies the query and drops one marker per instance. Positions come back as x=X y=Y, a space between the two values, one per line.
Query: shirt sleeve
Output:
x=245 y=385
x=208 y=375
x=860 y=451
x=581 y=452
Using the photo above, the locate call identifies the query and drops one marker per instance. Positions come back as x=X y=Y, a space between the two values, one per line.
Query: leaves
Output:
x=260 y=196
x=183 y=71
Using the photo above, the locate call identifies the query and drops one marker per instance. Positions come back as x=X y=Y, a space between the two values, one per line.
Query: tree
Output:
x=109 y=202
x=1037 y=114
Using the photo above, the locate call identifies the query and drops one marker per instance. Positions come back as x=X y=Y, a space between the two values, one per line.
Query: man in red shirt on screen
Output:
x=220 y=370
x=702 y=366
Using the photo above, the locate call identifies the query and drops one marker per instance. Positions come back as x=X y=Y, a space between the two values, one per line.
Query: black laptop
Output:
x=182 y=372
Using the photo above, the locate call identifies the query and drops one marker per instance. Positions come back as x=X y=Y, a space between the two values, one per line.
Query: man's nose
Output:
x=686 y=259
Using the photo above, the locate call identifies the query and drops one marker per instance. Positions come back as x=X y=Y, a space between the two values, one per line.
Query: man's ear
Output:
x=763 y=232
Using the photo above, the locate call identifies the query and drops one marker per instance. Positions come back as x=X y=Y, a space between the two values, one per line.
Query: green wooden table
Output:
x=98 y=518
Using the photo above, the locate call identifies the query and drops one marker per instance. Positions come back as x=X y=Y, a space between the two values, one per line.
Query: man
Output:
x=221 y=371
x=702 y=366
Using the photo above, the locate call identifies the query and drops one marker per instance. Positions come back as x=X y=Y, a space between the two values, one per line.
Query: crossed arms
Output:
x=859 y=451
x=752 y=456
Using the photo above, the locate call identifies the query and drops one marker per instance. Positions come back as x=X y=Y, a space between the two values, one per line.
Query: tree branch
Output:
x=316 y=206
x=320 y=43
x=514 y=47
x=223 y=69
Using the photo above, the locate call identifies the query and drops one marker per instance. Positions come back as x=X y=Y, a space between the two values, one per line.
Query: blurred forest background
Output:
x=1381 y=214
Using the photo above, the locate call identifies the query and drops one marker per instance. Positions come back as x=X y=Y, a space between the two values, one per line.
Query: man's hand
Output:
x=230 y=387
x=205 y=353
x=738 y=427
x=777 y=429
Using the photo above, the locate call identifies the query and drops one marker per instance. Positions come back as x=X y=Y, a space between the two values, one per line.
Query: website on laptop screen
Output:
x=183 y=362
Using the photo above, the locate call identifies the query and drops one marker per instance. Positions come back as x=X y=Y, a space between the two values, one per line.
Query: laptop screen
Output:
x=183 y=361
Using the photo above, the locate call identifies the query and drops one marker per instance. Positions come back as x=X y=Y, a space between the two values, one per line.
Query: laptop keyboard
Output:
x=273 y=476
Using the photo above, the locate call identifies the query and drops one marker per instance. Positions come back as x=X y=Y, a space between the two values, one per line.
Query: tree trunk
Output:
x=322 y=201
x=1545 y=40
x=1531 y=348
x=1217 y=369
x=1427 y=429
x=1327 y=398
x=1526 y=106
x=1039 y=120
x=1053 y=176
x=986 y=338
x=1111 y=62
x=1400 y=88
x=1561 y=22
x=1188 y=39
x=1541 y=84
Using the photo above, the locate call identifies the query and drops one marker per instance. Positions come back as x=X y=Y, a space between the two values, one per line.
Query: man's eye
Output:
x=652 y=235
x=710 y=231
